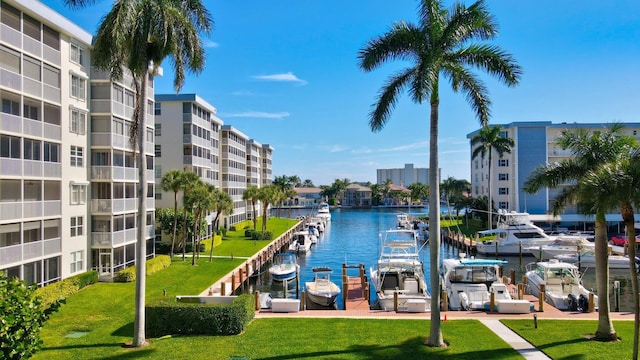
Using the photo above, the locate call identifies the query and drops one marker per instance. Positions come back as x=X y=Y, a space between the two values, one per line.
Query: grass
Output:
x=235 y=243
x=570 y=339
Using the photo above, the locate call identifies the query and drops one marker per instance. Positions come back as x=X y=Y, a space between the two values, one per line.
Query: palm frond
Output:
x=387 y=99
x=474 y=89
x=397 y=44
x=491 y=59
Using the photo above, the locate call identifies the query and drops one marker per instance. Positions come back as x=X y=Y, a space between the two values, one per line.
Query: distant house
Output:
x=356 y=195
x=398 y=195
x=307 y=197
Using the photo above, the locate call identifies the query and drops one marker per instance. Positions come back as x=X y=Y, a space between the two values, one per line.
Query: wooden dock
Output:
x=355 y=289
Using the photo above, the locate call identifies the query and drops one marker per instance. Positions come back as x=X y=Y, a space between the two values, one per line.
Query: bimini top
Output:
x=482 y=262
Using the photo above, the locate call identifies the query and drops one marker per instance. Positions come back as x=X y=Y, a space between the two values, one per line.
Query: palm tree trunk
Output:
x=193 y=239
x=435 y=335
x=489 y=181
x=175 y=223
x=605 y=329
x=141 y=248
x=628 y=218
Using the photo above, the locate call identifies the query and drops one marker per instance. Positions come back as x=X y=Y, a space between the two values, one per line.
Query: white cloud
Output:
x=288 y=77
x=337 y=148
x=211 y=44
x=242 y=93
x=363 y=150
x=418 y=145
x=258 y=114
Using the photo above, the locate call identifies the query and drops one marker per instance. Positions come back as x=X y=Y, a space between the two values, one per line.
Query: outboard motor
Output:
x=583 y=303
x=464 y=300
x=573 y=302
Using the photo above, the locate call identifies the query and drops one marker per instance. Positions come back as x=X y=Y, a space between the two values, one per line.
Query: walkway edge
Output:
x=519 y=344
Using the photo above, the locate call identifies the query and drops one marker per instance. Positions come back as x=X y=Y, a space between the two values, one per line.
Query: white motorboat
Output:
x=563 y=244
x=284 y=267
x=563 y=284
x=301 y=242
x=587 y=259
x=399 y=272
x=514 y=232
x=319 y=222
x=322 y=291
x=323 y=212
x=403 y=221
x=468 y=281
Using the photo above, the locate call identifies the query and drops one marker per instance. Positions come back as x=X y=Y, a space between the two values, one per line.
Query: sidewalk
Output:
x=514 y=340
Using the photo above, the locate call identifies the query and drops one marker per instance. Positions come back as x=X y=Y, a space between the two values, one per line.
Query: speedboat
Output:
x=587 y=258
x=399 y=273
x=323 y=212
x=284 y=267
x=563 y=284
x=301 y=242
x=515 y=232
x=322 y=291
x=563 y=244
x=402 y=221
x=467 y=281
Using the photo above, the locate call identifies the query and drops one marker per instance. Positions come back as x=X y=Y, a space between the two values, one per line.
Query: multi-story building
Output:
x=199 y=148
x=234 y=170
x=356 y=195
x=403 y=176
x=44 y=62
x=266 y=156
x=535 y=144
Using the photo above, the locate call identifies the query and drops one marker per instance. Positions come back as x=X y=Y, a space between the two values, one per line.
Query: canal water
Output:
x=352 y=238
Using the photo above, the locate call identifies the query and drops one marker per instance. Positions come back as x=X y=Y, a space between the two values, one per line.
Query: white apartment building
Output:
x=403 y=176
x=44 y=64
x=187 y=139
x=266 y=154
x=234 y=170
x=535 y=144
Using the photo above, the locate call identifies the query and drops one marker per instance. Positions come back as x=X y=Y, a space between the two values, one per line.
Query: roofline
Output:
x=52 y=19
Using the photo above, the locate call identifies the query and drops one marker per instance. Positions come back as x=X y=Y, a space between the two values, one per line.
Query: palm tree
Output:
x=418 y=191
x=222 y=204
x=251 y=195
x=616 y=185
x=386 y=190
x=485 y=143
x=268 y=195
x=307 y=183
x=171 y=181
x=188 y=181
x=199 y=200
x=438 y=44
x=591 y=151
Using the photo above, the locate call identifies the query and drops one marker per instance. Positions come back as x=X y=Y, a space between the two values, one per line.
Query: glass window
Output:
x=51 y=152
x=118 y=94
x=31 y=27
x=158 y=150
x=31 y=149
x=10 y=16
x=78 y=194
x=51 y=76
x=78 y=87
x=158 y=129
x=76 y=261
x=9 y=60
x=10 y=107
x=76 y=54
x=31 y=68
x=52 y=114
x=77 y=156
x=77 y=228
x=9 y=146
x=158 y=109
x=78 y=122
x=50 y=37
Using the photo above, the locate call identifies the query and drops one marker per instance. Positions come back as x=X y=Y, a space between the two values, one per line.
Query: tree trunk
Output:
x=141 y=248
x=605 y=329
x=435 y=335
x=253 y=212
x=489 y=181
x=628 y=218
x=175 y=223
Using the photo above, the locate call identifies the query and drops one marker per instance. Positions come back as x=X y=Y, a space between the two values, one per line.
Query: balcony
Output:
x=32 y=127
x=107 y=239
x=32 y=209
x=41 y=248
x=52 y=132
x=32 y=87
x=10 y=35
x=10 y=210
x=10 y=254
x=52 y=170
x=111 y=140
x=32 y=45
x=10 y=79
x=9 y=122
x=52 y=208
x=51 y=93
x=51 y=55
x=32 y=168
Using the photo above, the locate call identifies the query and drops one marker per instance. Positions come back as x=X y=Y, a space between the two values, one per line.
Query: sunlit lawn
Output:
x=569 y=339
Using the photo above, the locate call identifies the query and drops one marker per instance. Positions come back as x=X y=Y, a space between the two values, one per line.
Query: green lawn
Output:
x=235 y=243
x=569 y=339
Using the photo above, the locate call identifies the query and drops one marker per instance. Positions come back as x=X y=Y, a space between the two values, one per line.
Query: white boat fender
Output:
x=464 y=300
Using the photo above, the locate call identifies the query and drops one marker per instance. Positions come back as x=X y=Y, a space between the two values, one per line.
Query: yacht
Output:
x=563 y=285
x=514 y=233
x=562 y=245
x=468 y=281
x=323 y=212
x=301 y=242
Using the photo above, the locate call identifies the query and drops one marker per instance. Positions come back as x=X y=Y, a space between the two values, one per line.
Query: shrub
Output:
x=62 y=289
x=232 y=228
x=169 y=318
x=248 y=233
x=257 y=235
x=153 y=266
x=267 y=235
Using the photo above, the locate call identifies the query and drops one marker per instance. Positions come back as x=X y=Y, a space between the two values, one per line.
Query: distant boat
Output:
x=514 y=233
x=284 y=267
x=323 y=211
x=301 y=242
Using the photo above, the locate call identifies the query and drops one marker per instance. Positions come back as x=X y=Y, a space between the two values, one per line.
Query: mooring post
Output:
x=541 y=296
x=395 y=301
x=257 y=299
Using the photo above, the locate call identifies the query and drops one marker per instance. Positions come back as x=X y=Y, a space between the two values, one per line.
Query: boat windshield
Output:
x=465 y=274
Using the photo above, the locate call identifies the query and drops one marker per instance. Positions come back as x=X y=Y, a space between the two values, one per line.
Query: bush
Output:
x=248 y=233
x=189 y=247
x=171 y=318
x=232 y=228
x=267 y=235
x=257 y=235
x=62 y=289
x=163 y=248
x=153 y=266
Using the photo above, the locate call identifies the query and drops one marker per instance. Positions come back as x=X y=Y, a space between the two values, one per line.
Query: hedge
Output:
x=165 y=248
x=258 y=235
x=153 y=266
x=172 y=318
x=65 y=288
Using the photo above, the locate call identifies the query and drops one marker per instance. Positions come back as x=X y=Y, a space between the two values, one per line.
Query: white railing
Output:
x=118 y=109
x=32 y=87
x=10 y=79
x=32 y=168
x=10 y=35
x=32 y=250
x=53 y=132
x=130 y=204
x=100 y=205
x=118 y=173
x=32 y=209
x=32 y=127
x=98 y=74
x=151 y=231
x=130 y=174
x=118 y=237
x=9 y=122
x=100 y=139
x=100 y=239
x=51 y=55
x=101 y=106
x=51 y=246
x=51 y=93
x=101 y=172
x=10 y=254
x=118 y=205
x=10 y=210
x=52 y=207
x=151 y=204
x=130 y=235
x=32 y=45
x=52 y=169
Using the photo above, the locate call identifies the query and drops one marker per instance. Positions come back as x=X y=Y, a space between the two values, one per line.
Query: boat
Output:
x=468 y=281
x=563 y=244
x=284 y=267
x=301 y=242
x=587 y=258
x=319 y=222
x=399 y=273
x=563 y=284
x=323 y=212
x=322 y=291
x=515 y=232
x=402 y=221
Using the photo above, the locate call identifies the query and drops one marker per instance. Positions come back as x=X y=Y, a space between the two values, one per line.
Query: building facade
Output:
x=535 y=144
x=403 y=176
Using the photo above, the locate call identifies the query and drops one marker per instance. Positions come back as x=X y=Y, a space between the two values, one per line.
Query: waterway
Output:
x=352 y=238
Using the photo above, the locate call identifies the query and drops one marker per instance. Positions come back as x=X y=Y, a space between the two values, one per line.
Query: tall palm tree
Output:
x=438 y=45
x=222 y=204
x=250 y=195
x=616 y=185
x=307 y=183
x=590 y=151
x=137 y=35
x=268 y=195
x=188 y=181
x=200 y=201
x=171 y=181
x=484 y=144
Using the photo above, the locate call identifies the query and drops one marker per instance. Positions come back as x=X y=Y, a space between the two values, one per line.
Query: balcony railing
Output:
x=31 y=45
x=10 y=210
x=10 y=79
x=41 y=248
x=9 y=122
x=10 y=35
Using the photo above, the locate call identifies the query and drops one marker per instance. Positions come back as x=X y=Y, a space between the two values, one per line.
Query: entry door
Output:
x=105 y=264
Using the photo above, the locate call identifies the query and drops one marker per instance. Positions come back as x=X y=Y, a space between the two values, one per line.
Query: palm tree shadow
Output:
x=124 y=331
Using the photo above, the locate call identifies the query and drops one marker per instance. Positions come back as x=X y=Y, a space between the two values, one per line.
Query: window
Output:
x=503 y=191
x=129 y=99
x=503 y=176
x=77 y=124
x=31 y=27
x=503 y=205
x=77 y=156
x=50 y=37
x=78 y=87
x=158 y=129
x=118 y=94
x=503 y=162
x=10 y=107
x=158 y=196
x=51 y=76
x=9 y=60
x=30 y=110
x=78 y=194
x=158 y=171
x=503 y=134
x=9 y=147
x=31 y=68
x=149 y=135
x=157 y=108
x=76 y=261
x=31 y=149
x=51 y=152
x=76 y=54
x=10 y=16
x=77 y=226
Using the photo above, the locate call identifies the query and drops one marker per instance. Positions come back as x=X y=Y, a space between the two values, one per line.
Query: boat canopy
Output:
x=482 y=262
x=492 y=232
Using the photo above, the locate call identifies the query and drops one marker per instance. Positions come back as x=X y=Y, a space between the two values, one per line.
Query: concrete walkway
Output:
x=514 y=340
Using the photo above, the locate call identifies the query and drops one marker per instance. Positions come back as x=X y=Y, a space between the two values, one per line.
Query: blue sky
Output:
x=285 y=73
